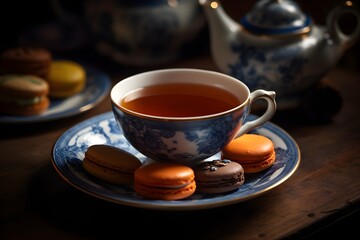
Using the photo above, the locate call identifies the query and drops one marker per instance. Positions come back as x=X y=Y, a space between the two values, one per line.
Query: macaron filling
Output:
x=184 y=185
x=109 y=167
x=225 y=182
x=21 y=101
x=165 y=193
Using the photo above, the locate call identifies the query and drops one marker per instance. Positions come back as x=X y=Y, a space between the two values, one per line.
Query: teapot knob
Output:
x=334 y=29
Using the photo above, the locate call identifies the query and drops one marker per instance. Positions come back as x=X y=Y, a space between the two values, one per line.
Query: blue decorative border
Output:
x=98 y=85
x=68 y=152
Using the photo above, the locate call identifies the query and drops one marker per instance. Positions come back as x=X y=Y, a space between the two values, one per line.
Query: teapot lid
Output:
x=276 y=17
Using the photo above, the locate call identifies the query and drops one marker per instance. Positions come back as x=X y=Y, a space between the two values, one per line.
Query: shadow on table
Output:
x=80 y=214
x=318 y=107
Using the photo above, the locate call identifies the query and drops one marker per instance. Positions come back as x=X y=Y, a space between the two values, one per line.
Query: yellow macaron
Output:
x=66 y=78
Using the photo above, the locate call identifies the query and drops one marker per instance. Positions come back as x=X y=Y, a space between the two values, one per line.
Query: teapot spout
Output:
x=220 y=24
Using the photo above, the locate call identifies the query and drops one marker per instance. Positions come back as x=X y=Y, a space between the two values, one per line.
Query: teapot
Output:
x=138 y=32
x=275 y=46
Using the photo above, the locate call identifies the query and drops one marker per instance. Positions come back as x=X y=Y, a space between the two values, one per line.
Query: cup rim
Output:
x=193 y=118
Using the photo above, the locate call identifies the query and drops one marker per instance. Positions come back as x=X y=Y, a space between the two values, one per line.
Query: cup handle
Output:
x=269 y=96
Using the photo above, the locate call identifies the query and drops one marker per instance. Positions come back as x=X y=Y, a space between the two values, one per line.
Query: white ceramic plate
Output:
x=98 y=85
x=68 y=153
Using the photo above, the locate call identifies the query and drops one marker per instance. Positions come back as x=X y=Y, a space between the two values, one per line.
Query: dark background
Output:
x=18 y=18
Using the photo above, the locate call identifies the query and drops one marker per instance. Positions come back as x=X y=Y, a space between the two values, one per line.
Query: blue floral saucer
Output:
x=68 y=153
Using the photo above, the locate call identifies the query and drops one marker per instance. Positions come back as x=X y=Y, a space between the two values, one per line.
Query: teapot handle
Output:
x=347 y=40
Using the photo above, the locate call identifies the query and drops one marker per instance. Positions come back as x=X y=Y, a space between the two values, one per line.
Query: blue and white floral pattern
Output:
x=273 y=69
x=144 y=32
x=161 y=140
x=69 y=149
x=270 y=17
x=153 y=36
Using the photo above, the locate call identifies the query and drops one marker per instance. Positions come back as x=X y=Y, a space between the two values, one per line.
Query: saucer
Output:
x=69 y=149
x=98 y=85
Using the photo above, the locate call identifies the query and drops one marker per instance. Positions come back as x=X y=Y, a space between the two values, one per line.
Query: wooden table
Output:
x=36 y=202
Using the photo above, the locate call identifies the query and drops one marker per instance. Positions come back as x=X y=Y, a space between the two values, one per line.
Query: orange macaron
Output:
x=164 y=181
x=254 y=152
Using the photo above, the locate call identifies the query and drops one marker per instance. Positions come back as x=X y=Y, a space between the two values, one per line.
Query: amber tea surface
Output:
x=180 y=100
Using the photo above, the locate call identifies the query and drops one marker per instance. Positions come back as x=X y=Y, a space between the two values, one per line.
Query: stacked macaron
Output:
x=23 y=86
x=57 y=78
x=26 y=60
x=23 y=95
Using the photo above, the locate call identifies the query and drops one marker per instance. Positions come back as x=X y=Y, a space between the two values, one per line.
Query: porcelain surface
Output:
x=187 y=140
x=278 y=47
x=144 y=33
x=98 y=85
x=69 y=149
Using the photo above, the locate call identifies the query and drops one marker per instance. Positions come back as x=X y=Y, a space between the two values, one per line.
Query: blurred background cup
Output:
x=194 y=134
x=139 y=32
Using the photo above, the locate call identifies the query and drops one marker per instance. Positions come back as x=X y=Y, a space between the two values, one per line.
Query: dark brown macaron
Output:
x=26 y=60
x=218 y=176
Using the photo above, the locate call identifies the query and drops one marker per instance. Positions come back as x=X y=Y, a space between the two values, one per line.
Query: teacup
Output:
x=185 y=115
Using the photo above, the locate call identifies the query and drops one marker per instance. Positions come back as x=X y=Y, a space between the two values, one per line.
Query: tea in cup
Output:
x=185 y=115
